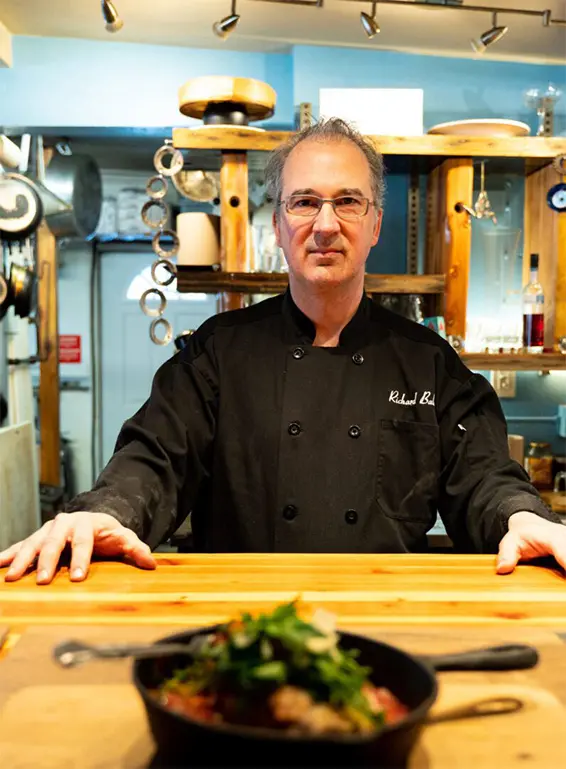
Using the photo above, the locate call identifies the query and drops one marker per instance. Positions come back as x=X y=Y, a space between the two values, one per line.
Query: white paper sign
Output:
x=380 y=111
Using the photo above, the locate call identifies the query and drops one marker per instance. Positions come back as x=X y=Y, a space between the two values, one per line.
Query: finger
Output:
x=7 y=556
x=26 y=553
x=52 y=548
x=82 y=543
x=559 y=552
x=138 y=551
x=509 y=553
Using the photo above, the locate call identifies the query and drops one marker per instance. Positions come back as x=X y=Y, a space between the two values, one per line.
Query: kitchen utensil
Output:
x=410 y=678
x=482 y=206
x=496 y=128
x=75 y=182
x=21 y=208
x=201 y=186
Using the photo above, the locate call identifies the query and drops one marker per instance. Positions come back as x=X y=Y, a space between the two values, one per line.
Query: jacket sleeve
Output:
x=480 y=485
x=162 y=454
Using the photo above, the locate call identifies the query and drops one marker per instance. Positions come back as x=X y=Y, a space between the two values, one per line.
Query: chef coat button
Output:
x=354 y=431
x=358 y=358
x=298 y=353
x=290 y=512
x=351 y=517
x=294 y=428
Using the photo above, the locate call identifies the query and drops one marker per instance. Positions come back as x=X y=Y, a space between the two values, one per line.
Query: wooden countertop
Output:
x=92 y=717
x=409 y=590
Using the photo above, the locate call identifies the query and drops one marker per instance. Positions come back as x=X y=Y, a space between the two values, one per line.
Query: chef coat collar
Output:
x=300 y=328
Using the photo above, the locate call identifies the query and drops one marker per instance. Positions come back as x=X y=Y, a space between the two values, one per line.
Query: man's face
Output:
x=326 y=250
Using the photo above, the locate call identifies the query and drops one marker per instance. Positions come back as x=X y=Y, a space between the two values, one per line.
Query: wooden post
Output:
x=449 y=236
x=49 y=420
x=234 y=223
x=545 y=235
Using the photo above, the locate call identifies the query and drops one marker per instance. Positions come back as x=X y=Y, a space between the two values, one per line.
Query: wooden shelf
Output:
x=479 y=361
x=191 y=280
x=231 y=139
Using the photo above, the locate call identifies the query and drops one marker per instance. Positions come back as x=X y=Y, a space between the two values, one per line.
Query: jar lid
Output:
x=540 y=444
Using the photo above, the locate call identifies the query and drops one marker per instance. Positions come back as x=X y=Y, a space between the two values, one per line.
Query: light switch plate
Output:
x=504 y=383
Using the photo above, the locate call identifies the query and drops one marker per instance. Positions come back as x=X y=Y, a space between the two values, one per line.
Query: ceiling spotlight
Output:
x=227 y=25
x=491 y=36
x=369 y=23
x=113 y=21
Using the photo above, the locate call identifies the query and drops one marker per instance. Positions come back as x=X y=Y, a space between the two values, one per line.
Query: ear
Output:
x=377 y=227
x=276 y=227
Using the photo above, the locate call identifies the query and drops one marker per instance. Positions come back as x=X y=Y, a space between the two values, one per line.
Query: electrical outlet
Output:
x=504 y=383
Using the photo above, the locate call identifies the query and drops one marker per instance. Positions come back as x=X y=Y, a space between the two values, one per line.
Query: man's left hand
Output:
x=530 y=536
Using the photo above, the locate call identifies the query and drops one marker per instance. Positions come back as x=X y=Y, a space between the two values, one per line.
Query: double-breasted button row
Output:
x=298 y=353
x=358 y=358
x=354 y=431
x=294 y=428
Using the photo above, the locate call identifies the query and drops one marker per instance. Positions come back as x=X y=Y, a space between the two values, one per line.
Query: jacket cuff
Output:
x=528 y=503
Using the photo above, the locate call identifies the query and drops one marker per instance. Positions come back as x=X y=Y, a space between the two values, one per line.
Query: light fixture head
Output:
x=369 y=23
x=227 y=25
x=113 y=21
x=488 y=38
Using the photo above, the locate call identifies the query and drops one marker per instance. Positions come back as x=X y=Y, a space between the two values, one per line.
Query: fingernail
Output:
x=42 y=575
x=77 y=574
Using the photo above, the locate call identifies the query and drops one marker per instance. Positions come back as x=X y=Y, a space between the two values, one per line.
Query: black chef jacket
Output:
x=273 y=444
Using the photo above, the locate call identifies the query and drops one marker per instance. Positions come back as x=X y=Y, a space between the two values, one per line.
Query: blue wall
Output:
x=65 y=82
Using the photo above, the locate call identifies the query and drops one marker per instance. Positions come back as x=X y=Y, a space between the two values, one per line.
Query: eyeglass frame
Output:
x=332 y=202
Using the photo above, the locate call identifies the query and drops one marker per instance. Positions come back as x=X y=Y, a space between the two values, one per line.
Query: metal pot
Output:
x=76 y=183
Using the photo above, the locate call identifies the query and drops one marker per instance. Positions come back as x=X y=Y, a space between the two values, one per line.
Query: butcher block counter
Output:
x=91 y=716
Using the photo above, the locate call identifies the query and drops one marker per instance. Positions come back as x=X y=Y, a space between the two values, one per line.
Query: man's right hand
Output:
x=86 y=533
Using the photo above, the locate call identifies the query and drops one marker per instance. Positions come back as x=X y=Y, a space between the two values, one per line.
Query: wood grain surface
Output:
x=413 y=590
x=91 y=716
x=429 y=144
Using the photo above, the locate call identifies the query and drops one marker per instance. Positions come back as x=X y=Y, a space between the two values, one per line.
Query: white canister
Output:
x=199 y=237
x=517 y=448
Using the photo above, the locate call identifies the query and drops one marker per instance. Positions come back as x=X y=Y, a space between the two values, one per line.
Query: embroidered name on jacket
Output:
x=425 y=398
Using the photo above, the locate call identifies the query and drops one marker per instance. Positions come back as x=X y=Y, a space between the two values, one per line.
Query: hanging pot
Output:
x=21 y=289
x=73 y=207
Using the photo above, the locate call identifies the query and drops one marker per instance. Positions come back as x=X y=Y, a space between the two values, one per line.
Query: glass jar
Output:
x=538 y=464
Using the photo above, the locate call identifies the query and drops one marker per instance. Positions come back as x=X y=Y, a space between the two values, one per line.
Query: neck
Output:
x=330 y=308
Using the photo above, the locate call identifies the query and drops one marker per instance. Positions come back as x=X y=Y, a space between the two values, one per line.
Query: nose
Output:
x=326 y=221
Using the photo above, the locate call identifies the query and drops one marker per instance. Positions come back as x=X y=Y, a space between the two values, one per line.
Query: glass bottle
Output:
x=539 y=465
x=533 y=310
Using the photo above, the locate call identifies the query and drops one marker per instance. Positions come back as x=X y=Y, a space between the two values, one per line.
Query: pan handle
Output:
x=508 y=657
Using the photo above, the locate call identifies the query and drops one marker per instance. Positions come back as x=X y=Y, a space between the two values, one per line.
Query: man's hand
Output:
x=87 y=533
x=530 y=536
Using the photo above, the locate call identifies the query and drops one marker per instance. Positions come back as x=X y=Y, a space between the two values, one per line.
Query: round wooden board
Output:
x=196 y=94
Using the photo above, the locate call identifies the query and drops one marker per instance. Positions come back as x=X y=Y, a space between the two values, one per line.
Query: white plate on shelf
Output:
x=495 y=128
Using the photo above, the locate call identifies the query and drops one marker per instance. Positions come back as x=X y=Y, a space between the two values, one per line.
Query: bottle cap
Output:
x=534 y=261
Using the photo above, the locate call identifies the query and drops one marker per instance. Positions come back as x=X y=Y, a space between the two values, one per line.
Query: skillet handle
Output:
x=508 y=657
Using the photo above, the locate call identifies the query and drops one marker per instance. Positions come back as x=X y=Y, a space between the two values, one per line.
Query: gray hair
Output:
x=326 y=130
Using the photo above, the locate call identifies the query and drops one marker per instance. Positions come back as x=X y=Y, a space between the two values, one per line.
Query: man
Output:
x=313 y=421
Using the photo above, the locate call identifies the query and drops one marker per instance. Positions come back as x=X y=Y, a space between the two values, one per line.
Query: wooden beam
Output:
x=190 y=280
x=449 y=236
x=6 y=51
x=49 y=418
x=514 y=362
x=232 y=139
x=545 y=235
x=234 y=220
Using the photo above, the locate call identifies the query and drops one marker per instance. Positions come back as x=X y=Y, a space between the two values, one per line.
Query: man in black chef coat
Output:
x=313 y=421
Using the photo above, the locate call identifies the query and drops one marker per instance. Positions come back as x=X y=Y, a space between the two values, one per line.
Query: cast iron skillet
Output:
x=183 y=741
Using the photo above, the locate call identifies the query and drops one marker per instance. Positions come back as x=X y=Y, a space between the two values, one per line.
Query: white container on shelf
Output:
x=199 y=237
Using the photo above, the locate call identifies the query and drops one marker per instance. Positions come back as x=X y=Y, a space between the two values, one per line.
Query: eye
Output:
x=348 y=200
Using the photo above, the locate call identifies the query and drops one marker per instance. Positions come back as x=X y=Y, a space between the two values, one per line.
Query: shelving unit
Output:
x=448 y=162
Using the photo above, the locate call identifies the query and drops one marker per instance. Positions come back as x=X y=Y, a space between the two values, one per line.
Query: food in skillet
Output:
x=279 y=671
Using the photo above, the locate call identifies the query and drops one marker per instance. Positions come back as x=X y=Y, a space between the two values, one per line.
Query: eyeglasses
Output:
x=347 y=207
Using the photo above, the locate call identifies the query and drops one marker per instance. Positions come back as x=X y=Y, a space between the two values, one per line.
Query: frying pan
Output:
x=183 y=741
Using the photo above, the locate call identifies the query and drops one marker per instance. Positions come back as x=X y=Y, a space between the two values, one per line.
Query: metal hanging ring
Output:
x=175 y=165
x=160 y=190
x=559 y=164
x=153 y=312
x=167 y=337
x=163 y=207
x=166 y=253
x=167 y=265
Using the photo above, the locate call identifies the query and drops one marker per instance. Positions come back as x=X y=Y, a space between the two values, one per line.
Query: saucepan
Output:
x=183 y=741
